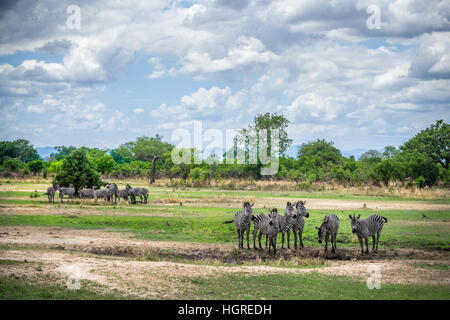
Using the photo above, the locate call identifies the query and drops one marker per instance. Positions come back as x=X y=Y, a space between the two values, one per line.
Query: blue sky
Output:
x=135 y=69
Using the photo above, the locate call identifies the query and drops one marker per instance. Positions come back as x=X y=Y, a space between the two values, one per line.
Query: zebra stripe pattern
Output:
x=369 y=227
x=299 y=222
x=269 y=226
x=285 y=222
x=70 y=192
x=329 y=228
x=242 y=220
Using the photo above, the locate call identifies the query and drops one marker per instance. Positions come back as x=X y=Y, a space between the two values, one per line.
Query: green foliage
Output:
x=35 y=166
x=55 y=166
x=78 y=170
x=199 y=174
x=12 y=165
x=319 y=153
x=18 y=149
x=433 y=142
x=62 y=152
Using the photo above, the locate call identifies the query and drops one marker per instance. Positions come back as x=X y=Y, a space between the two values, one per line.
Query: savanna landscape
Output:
x=177 y=247
x=225 y=150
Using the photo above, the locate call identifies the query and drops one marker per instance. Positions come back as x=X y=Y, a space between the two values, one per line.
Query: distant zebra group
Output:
x=293 y=219
x=110 y=194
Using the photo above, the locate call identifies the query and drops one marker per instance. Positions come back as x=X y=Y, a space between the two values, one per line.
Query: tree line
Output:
x=421 y=161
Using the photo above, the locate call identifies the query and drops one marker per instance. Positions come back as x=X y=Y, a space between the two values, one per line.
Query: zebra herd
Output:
x=293 y=219
x=111 y=193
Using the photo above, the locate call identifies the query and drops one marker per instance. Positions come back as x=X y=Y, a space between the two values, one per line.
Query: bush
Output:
x=420 y=182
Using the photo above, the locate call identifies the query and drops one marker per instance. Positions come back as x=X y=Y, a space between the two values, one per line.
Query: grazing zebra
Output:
x=242 y=221
x=70 y=192
x=299 y=222
x=51 y=193
x=285 y=222
x=87 y=193
x=329 y=228
x=144 y=193
x=256 y=226
x=366 y=228
x=270 y=227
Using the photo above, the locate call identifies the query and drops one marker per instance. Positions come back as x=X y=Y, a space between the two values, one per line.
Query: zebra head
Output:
x=128 y=187
x=248 y=208
x=322 y=231
x=290 y=211
x=355 y=222
x=301 y=210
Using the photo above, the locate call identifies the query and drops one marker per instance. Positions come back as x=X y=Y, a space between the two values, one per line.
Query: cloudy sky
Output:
x=136 y=68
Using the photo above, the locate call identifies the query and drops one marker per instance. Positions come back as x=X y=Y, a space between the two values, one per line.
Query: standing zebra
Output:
x=242 y=221
x=100 y=194
x=257 y=220
x=366 y=228
x=111 y=192
x=329 y=228
x=87 y=193
x=270 y=227
x=285 y=222
x=134 y=192
x=122 y=194
x=51 y=191
x=299 y=222
x=70 y=192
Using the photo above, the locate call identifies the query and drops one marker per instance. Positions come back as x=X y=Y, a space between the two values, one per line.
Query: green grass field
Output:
x=199 y=219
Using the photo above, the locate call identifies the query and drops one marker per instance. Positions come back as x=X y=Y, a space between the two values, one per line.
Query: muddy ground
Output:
x=156 y=269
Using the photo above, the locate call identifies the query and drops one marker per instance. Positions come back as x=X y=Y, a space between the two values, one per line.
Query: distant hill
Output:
x=44 y=152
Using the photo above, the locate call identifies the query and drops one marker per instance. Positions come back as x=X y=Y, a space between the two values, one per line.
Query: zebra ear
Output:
x=325 y=219
x=350 y=216
x=358 y=216
x=252 y=205
x=317 y=228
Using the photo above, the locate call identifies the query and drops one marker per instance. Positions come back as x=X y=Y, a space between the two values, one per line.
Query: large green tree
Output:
x=150 y=149
x=19 y=149
x=78 y=170
x=319 y=153
x=433 y=142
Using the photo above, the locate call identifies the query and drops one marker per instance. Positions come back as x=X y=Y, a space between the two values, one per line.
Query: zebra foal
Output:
x=366 y=228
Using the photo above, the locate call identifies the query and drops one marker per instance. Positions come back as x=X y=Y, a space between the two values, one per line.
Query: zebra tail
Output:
x=228 y=221
x=385 y=219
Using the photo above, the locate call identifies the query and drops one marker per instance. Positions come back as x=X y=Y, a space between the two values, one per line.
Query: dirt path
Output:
x=112 y=260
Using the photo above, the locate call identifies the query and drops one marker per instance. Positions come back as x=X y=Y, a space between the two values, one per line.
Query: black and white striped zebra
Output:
x=369 y=227
x=329 y=228
x=242 y=220
x=257 y=220
x=270 y=227
x=298 y=222
x=285 y=222
x=51 y=191
x=66 y=191
x=87 y=193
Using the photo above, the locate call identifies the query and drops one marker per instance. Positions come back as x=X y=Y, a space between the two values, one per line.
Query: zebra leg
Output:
x=288 y=238
x=361 y=243
x=282 y=241
x=259 y=239
x=300 y=235
x=274 y=241
x=254 y=238
x=367 y=244
x=378 y=239
x=295 y=238
x=373 y=243
x=266 y=240
x=248 y=241
x=239 y=238
x=326 y=244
